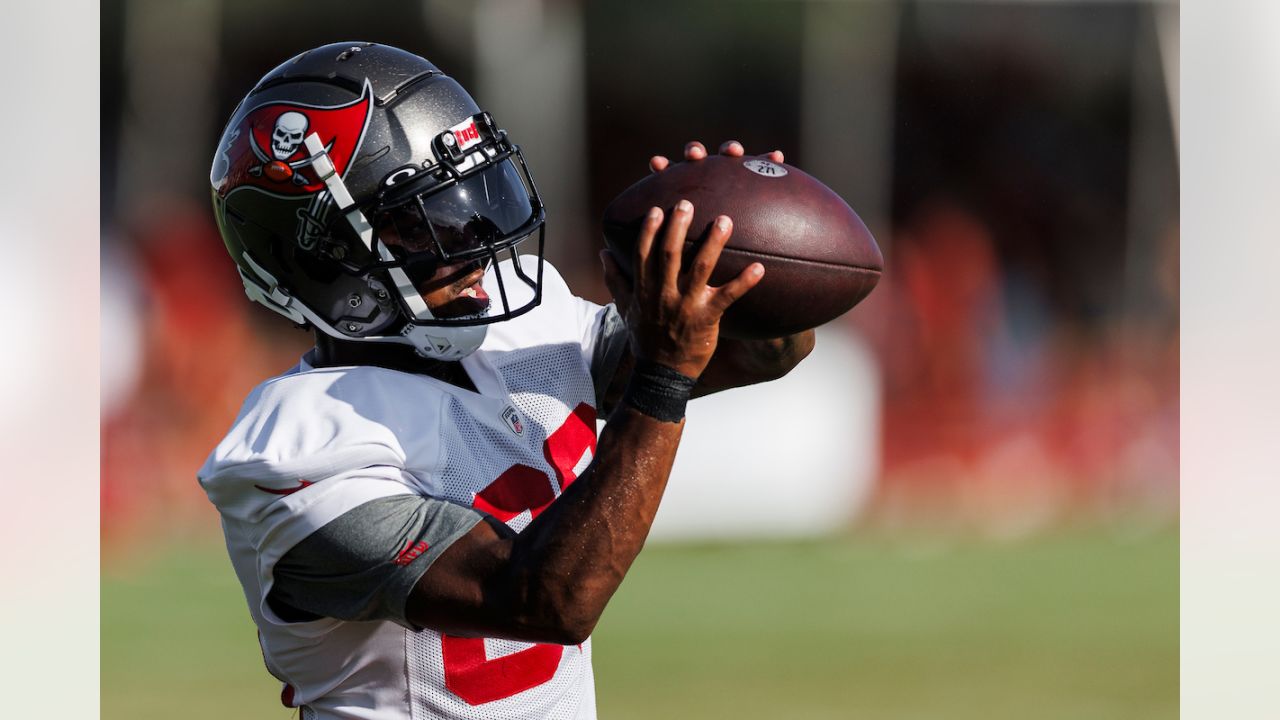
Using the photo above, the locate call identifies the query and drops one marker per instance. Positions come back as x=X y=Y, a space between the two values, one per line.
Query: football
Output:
x=820 y=260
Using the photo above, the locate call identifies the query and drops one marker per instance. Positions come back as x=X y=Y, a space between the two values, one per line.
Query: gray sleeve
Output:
x=363 y=564
x=611 y=342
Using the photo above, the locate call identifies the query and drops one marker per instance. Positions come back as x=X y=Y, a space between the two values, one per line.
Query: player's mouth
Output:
x=459 y=293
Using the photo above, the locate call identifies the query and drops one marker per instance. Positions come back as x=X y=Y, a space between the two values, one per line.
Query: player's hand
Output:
x=674 y=316
x=695 y=150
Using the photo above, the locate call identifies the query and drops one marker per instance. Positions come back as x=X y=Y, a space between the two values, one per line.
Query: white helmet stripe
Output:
x=323 y=166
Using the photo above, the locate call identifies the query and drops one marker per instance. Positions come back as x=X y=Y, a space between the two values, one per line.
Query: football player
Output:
x=420 y=513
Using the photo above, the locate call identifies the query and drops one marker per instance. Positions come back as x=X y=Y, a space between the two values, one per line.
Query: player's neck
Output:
x=332 y=352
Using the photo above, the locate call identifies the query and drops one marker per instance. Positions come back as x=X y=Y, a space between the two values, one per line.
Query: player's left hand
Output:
x=694 y=150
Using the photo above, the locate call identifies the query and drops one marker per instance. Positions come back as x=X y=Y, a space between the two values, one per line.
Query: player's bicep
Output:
x=364 y=564
x=470 y=590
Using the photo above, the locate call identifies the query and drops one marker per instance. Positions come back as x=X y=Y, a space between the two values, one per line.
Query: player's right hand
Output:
x=674 y=316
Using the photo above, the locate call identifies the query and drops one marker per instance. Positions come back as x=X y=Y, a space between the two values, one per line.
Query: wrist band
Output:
x=658 y=391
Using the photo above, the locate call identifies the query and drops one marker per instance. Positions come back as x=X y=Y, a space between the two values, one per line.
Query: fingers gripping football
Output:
x=674 y=316
x=694 y=150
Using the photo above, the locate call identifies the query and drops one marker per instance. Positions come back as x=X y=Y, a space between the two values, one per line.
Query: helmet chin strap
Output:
x=434 y=342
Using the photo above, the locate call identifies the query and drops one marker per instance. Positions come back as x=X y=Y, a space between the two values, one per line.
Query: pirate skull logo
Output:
x=290 y=129
x=276 y=135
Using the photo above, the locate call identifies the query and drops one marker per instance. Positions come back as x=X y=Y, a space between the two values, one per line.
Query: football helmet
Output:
x=350 y=174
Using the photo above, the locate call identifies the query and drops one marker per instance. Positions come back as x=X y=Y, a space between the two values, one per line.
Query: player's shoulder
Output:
x=317 y=421
x=349 y=395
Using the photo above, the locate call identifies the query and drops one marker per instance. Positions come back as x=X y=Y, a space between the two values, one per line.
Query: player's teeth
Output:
x=469 y=292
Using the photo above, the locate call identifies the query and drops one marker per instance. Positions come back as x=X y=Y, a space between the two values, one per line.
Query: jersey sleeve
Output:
x=608 y=346
x=363 y=564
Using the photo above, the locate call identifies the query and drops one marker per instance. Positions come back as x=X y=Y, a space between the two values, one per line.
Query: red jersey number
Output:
x=468 y=672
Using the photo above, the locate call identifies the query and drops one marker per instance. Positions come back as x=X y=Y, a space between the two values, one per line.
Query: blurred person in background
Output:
x=388 y=503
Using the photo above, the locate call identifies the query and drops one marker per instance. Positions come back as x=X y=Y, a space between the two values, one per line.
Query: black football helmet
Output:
x=350 y=174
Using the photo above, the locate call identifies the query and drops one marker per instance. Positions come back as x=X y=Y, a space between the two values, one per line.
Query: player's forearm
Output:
x=574 y=555
x=571 y=576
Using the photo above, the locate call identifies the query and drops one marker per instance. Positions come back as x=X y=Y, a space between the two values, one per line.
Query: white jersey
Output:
x=316 y=442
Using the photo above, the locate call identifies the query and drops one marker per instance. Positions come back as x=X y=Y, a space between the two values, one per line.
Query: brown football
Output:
x=820 y=260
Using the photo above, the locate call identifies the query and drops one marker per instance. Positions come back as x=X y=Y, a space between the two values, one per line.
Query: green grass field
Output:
x=1076 y=624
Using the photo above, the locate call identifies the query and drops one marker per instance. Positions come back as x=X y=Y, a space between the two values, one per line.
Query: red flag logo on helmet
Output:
x=265 y=147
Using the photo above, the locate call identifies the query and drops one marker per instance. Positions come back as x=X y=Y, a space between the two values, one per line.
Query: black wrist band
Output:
x=658 y=391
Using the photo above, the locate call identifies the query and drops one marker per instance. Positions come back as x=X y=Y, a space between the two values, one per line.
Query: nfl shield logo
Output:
x=512 y=419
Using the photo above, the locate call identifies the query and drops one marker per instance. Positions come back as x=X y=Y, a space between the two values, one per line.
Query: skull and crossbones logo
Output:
x=290 y=129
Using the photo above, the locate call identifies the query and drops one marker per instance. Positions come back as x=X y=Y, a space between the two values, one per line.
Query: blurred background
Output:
x=964 y=504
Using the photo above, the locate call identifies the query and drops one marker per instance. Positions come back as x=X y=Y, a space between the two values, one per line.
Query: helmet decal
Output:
x=264 y=149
